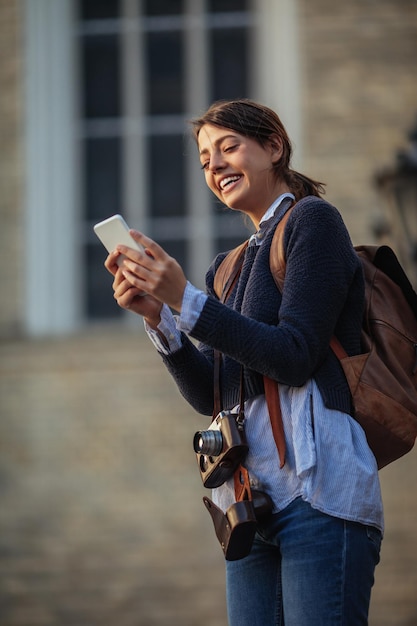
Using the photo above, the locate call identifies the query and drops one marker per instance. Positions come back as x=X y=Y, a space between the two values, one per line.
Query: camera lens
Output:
x=208 y=442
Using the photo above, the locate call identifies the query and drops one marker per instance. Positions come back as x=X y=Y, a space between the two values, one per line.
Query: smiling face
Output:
x=239 y=170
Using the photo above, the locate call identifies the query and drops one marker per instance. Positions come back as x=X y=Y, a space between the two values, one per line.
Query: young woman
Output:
x=313 y=558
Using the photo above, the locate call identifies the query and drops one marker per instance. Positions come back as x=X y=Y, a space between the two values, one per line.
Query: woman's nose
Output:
x=216 y=162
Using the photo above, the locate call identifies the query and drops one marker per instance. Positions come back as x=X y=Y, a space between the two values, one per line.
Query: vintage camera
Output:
x=220 y=449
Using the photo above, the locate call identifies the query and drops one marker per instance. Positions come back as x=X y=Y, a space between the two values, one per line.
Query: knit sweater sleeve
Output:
x=321 y=268
x=192 y=367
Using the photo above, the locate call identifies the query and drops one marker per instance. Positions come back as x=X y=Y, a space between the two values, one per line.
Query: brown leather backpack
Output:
x=383 y=378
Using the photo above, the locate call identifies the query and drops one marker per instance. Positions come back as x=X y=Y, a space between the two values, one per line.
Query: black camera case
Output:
x=236 y=528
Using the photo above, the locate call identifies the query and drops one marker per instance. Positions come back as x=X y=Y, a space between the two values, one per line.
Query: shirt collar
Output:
x=256 y=238
x=274 y=206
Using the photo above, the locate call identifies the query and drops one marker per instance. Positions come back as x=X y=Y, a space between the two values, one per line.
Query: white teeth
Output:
x=229 y=179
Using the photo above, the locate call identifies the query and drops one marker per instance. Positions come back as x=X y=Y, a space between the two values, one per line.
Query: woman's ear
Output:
x=275 y=144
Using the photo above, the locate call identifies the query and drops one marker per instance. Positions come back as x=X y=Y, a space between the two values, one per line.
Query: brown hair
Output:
x=258 y=122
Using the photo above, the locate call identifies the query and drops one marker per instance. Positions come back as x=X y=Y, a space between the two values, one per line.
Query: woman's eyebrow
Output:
x=217 y=142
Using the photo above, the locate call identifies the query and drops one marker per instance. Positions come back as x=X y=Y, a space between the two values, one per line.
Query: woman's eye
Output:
x=229 y=148
x=205 y=165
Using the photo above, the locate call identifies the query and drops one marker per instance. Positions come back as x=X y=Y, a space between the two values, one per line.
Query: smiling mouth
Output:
x=226 y=182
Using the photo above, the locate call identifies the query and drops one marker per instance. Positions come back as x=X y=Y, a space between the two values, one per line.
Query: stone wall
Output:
x=360 y=96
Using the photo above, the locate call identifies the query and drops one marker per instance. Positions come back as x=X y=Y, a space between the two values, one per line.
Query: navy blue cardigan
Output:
x=286 y=338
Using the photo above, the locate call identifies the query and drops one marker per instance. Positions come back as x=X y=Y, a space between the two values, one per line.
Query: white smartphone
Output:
x=114 y=231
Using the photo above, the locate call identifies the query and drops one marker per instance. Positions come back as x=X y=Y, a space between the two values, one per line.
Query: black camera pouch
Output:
x=236 y=528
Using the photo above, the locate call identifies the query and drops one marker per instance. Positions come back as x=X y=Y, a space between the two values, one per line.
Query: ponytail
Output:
x=302 y=185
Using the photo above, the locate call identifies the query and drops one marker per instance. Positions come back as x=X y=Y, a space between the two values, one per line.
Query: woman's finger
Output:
x=152 y=249
x=111 y=262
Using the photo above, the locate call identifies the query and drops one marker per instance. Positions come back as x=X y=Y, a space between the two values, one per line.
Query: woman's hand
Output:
x=130 y=297
x=153 y=272
x=146 y=280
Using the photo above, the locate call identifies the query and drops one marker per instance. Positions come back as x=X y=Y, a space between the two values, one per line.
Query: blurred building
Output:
x=96 y=95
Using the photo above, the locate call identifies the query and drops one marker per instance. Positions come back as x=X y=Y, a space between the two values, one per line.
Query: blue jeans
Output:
x=306 y=568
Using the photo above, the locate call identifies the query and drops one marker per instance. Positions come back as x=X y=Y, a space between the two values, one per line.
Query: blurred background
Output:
x=101 y=518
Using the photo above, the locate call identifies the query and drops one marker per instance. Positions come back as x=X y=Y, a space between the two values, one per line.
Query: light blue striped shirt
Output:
x=329 y=463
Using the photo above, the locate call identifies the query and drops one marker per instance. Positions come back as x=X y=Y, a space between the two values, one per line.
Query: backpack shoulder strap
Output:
x=228 y=271
x=277 y=258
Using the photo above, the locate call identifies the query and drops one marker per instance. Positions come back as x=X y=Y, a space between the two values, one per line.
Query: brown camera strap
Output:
x=275 y=415
x=242 y=484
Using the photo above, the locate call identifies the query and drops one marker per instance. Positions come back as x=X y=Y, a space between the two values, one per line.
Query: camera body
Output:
x=220 y=449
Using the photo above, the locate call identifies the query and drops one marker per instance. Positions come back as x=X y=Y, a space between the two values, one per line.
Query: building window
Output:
x=137 y=91
x=164 y=56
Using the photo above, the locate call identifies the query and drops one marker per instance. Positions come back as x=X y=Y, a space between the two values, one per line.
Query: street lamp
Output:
x=398 y=186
